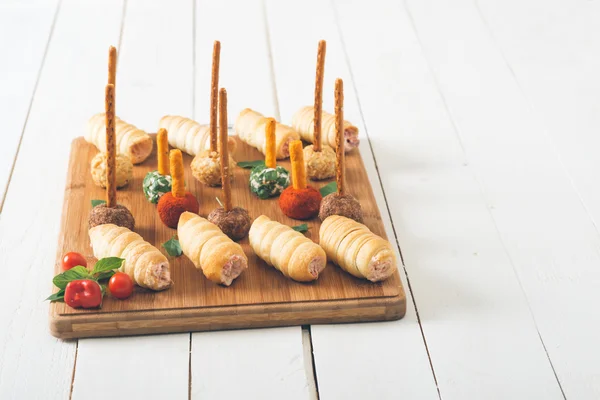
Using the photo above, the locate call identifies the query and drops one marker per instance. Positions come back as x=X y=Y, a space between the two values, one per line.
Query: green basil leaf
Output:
x=97 y=202
x=105 y=275
x=329 y=188
x=58 y=296
x=78 y=272
x=173 y=247
x=301 y=228
x=251 y=164
x=107 y=264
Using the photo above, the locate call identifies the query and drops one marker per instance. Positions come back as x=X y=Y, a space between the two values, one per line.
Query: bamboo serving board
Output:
x=260 y=297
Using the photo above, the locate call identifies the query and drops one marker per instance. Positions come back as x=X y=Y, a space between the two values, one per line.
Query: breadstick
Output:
x=319 y=95
x=112 y=65
x=298 y=168
x=340 y=170
x=162 y=151
x=111 y=163
x=178 y=185
x=225 y=180
x=270 y=156
x=214 y=92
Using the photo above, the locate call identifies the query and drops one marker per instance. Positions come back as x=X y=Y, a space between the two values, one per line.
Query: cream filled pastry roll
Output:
x=303 y=123
x=251 y=127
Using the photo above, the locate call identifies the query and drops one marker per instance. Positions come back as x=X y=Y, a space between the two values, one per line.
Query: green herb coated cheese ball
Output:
x=155 y=185
x=268 y=182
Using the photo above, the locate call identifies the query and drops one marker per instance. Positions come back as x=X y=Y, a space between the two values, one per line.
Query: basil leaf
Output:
x=329 y=188
x=251 y=164
x=107 y=264
x=97 y=202
x=78 y=272
x=173 y=247
x=105 y=275
x=58 y=296
x=301 y=228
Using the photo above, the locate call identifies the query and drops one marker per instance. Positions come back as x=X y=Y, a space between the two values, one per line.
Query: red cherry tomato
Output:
x=84 y=293
x=73 y=259
x=120 y=285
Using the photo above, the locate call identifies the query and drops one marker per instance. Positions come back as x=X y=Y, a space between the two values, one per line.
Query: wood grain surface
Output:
x=261 y=296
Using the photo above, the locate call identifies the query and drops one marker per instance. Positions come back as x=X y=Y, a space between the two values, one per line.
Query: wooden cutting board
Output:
x=260 y=297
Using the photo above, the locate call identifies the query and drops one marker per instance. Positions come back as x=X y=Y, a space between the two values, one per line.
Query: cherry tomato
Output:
x=83 y=293
x=73 y=259
x=120 y=285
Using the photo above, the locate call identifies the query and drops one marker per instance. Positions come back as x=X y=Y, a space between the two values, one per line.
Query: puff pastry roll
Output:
x=303 y=123
x=220 y=258
x=356 y=249
x=131 y=141
x=292 y=253
x=251 y=127
x=144 y=263
x=188 y=135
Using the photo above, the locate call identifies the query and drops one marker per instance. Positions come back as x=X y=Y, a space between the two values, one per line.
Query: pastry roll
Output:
x=131 y=141
x=144 y=263
x=292 y=253
x=188 y=135
x=220 y=258
x=356 y=249
x=251 y=127
x=303 y=123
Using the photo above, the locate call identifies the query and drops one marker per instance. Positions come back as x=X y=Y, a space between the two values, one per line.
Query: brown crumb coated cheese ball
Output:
x=300 y=203
x=171 y=207
x=319 y=164
x=124 y=170
x=118 y=215
x=235 y=223
x=344 y=205
x=206 y=167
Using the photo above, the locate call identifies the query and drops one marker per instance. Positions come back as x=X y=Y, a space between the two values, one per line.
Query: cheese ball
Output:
x=155 y=185
x=344 y=205
x=268 y=182
x=124 y=170
x=170 y=208
x=235 y=223
x=319 y=164
x=206 y=167
x=300 y=203
x=118 y=215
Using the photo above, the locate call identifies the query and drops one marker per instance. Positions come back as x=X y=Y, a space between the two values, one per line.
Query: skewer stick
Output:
x=111 y=146
x=112 y=65
x=298 y=167
x=177 y=178
x=319 y=95
x=214 y=93
x=225 y=180
x=162 y=152
x=340 y=166
x=270 y=156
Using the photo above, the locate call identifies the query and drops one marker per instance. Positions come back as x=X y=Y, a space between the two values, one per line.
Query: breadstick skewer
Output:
x=111 y=148
x=162 y=144
x=298 y=169
x=319 y=95
x=112 y=66
x=225 y=180
x=214 y=93
x=270 y=153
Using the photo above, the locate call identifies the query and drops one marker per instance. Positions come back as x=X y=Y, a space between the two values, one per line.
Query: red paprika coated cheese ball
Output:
x=170 y=207
x=300 y=203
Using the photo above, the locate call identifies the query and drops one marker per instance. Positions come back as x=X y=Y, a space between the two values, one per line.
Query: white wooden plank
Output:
x=25 y=29
x=264 y=363
x=250 y=364
x=476 y=320
x=149 y=84
x=346 y=356
x=551 y=56
x=32 y=363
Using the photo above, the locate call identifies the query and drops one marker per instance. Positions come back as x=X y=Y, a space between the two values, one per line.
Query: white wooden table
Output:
x=480 y=128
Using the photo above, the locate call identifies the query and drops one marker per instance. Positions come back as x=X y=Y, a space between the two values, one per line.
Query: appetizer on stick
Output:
x=220 y=258
x=110 y=212
x=293 y=254
x=172 y=204
x=123 y=165
x=144 y=263
x=299 y=201
x=340 y=203
x=270 y=179
x=320 y=158
x=157 y=183
x=206 y=166
x=233 y=221
x=356 y=249
x=251 y=127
